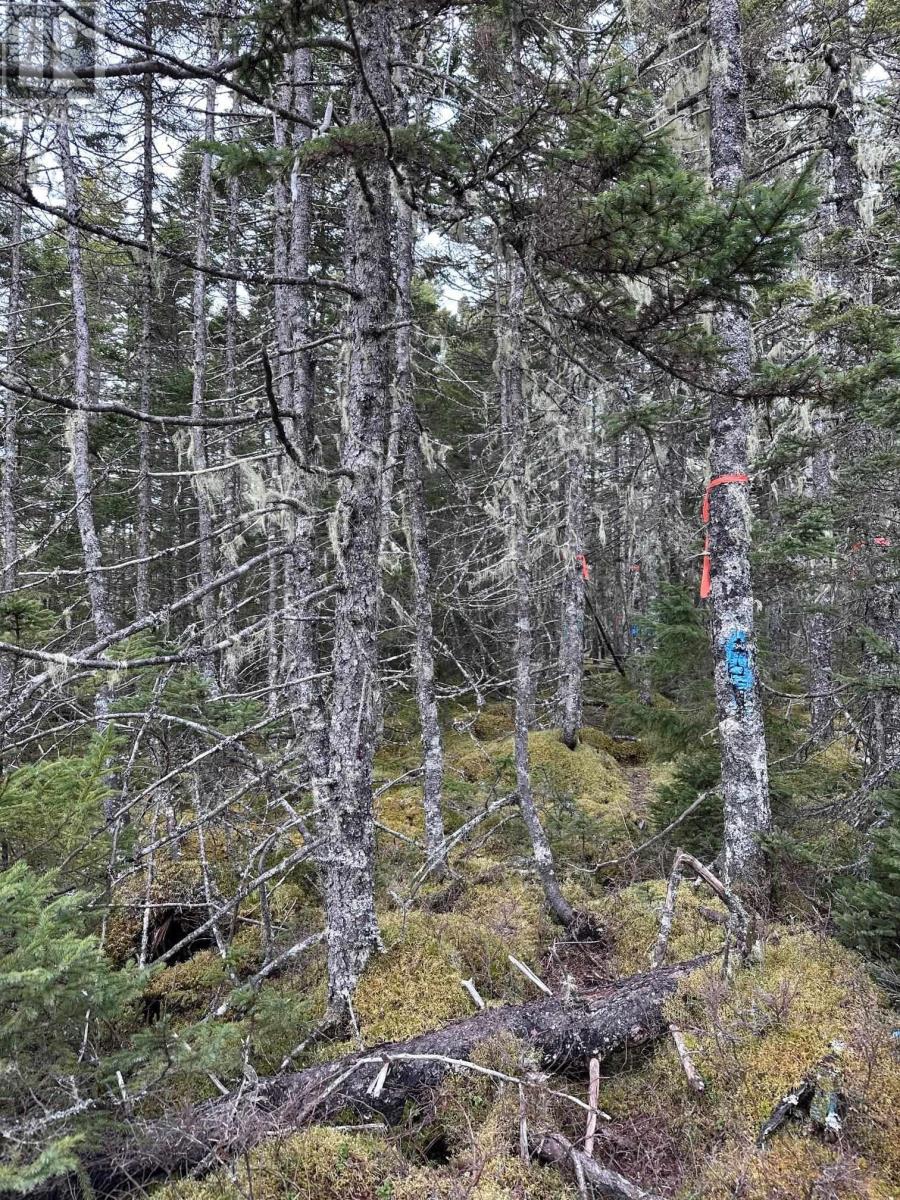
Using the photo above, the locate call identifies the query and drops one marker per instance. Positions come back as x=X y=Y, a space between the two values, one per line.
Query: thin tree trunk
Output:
x=98 y=595
x=575 y=573
x=231 y=505
x=101 y=614
x=841 y=214
x=745 y=782
x=198 y=364
x=417 y=538
x=144 y=496
x=9 y=480
x=302 y=635
x=347 y=818
x=516 y=420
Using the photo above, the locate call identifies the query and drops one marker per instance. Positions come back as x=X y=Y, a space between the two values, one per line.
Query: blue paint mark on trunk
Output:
x=737 y=661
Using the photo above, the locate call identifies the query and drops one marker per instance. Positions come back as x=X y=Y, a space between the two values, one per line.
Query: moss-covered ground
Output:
x=753 y=1037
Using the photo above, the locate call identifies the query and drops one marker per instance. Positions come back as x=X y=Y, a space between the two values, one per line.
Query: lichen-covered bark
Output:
x=101 y=613
x=144 y=495
x=575 y=568
x=841 y=213
x=198 y=388
x=515 y=421
x=9 y=467
x=417 y=538
x=302 y=636
x=745 y=781
x=346 y=803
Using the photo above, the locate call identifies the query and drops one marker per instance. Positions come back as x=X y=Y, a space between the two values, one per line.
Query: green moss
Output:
x=623 y=750
x=501 y=1178
x=318 y=1164
x=753 y=1039
x=415 y=984
x=401 y=809
x=591 y=777
x=632 y=917
x=789 y=1167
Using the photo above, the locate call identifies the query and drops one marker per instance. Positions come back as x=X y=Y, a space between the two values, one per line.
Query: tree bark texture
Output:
x=745 y=780
x=347 y=816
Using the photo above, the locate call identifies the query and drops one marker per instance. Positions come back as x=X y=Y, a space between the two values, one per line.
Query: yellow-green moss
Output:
x=415 y=984
x=632 y=917
x=623 y=750
x=503 y=1177
x=401 y=809
x=591 y=777
x=753 y=1039
x=790 y=1167
x=318 y=1164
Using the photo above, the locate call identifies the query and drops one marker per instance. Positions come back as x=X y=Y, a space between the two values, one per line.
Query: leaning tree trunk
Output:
x=745 y=779
x=562 y=1034
x=345 y=811
x=417 y=542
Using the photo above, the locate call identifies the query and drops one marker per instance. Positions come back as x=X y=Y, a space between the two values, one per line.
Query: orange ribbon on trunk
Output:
x=706 y=577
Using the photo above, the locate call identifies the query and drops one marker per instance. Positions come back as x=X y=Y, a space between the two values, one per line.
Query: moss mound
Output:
x=632 y=918
x=590 y=777
x=753 y=1039
x=791 y=1167
x=415 y=984
x=318 y=1164
x=630 y=751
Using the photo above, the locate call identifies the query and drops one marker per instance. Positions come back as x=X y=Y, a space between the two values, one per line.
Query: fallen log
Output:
x=377 y=1082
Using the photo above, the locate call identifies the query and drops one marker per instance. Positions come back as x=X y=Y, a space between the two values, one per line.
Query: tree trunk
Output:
x=232 y=490
x=417 y=541
x=842 y=214
x=302 y=636
x=346 y=815
x=198 y=391
x=101 y=613
x=9 y=481
x=575 y=573
x=745 y=782
x=144 y=495
x=515 y=412
x=563 y=1034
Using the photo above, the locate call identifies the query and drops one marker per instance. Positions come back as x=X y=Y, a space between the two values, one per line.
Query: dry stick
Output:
x=556 y=1149
x=694 y=1078
x=593 y=1096
x=287 y=955
x=529 y=974
x=603 y=634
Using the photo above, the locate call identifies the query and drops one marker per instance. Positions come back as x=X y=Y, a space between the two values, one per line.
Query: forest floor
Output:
x=802 y=1009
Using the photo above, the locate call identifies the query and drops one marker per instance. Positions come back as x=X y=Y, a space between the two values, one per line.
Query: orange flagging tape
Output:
x=706 y=577
x=581 y=561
